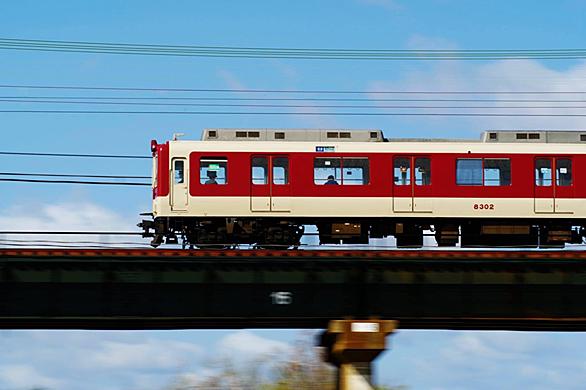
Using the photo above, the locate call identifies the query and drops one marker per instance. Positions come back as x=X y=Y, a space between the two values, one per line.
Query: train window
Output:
x=355 y=171
x=213 y=170
x=323 y=168
x=402 y=171
x=563 y=172
x=497 y=172
x=280 y=170
x=422 y=171
x=179 y=171
x=469 y=171
x=543 y=172
x=260 y=170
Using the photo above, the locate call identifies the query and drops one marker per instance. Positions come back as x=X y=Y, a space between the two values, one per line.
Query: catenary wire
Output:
x=85 y=176
x=286 y=53
x=290 y=91
x=68 y=232
x=164 y=98
x=224 y=105
x=112 y=183
x=455 y=114
x=8 y=153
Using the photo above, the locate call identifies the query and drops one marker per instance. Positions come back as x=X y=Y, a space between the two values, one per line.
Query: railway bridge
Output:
x=358 y=296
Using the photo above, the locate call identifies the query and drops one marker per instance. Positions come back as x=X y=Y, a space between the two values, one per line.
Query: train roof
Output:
x=375 y=135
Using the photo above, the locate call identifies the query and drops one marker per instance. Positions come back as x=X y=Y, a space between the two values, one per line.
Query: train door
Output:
x=553 y=185
x=412 y=184
x=179 y=184
x=270 y=187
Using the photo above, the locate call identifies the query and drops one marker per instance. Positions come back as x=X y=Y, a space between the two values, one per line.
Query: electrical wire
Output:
x=301 y=113
x=73 y=175
x=223 y=105
x=68 y=232
x=110 y=183
x=311 y=99
x=285 y=53
x=7 y=153
x=289 y=91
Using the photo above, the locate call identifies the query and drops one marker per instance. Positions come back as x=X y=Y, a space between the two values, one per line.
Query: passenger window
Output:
x=563 y=172
x=402 y=171
x=326 y=171
x=213 y=170
x=422 y=171
x=355 y=171
x=260 y=170
x=469 y=172
x=179 y=169
x=280 y=170
x=497 y=172
x=543 y=175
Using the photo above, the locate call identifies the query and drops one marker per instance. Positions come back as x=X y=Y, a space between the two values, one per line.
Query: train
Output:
x=262 y=187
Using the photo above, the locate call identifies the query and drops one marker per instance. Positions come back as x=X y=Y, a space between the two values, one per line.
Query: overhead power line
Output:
x=6 y=153
x=72 y=175
x=288 y=91
x=285 y=53
x=264 y=105
x=308 y=99
x=68 y=232
x=305 y=113
x=109 y=183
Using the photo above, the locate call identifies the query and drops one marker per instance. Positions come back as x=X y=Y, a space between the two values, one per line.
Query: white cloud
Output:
x=147 y=354
x=487 y=360
x=247 y=343
x=74 y=215
x=95 y=360
x=230 y=79
x=25 y=376
x=506 y=76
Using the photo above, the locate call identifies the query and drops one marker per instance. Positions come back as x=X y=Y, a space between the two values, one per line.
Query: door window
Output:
x=260 y=170
x=563 y=172
x=422 y=171
x=543 y=177
x=179 y=171
x=280 y=170
x=402 y=171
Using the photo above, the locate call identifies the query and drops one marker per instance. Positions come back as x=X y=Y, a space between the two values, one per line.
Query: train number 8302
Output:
x=483 y=206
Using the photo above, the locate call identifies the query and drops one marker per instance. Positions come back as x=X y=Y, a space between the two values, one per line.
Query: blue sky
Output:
x=421 y=360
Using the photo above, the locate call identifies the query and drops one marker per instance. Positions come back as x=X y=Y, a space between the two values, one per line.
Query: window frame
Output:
x=557 y=172
x=287 y=170
x=212 y=159
x=482 y=171
x=365 y=170
x=267 y=179
x=175 y=171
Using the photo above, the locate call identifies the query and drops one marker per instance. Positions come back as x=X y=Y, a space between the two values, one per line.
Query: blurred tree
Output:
x=302 y=368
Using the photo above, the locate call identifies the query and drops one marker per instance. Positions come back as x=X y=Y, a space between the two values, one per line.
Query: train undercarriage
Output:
x=277 y=233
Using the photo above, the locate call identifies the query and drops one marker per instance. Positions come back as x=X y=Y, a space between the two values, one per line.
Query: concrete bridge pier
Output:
x=352 y=346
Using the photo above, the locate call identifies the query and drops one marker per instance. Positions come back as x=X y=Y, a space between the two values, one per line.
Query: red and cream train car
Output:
x=260 y=187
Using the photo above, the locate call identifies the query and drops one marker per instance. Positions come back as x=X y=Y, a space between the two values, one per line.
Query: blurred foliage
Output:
x=302 y=367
